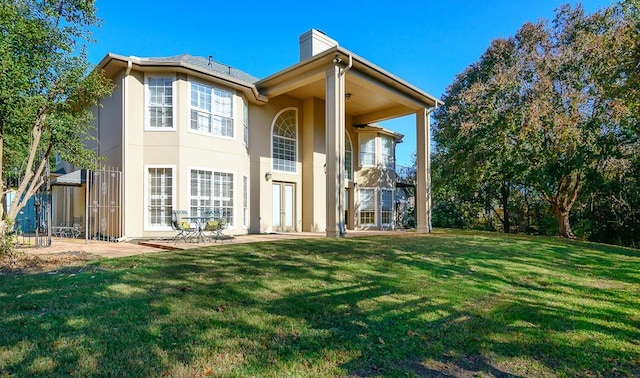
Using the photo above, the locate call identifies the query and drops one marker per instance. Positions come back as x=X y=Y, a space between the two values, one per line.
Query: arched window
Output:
x=284 y=139
x=348 y=157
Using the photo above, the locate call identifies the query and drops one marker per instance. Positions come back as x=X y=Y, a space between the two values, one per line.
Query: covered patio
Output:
x=355 y=93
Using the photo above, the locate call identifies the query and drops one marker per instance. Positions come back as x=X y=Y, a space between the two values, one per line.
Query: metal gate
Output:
x=104 y=211
x=42 y=219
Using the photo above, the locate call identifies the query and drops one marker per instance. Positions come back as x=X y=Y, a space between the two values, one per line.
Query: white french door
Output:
x=283 y=206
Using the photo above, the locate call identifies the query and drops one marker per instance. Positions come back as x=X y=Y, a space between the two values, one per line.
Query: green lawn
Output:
x=449 y=303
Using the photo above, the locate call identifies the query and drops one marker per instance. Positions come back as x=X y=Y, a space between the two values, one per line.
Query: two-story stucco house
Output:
x=299 y=150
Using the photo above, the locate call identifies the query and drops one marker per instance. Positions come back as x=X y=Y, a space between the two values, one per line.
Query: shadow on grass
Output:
x=416 y=305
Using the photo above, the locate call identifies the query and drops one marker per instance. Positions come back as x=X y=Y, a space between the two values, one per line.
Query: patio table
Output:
x=200 y=223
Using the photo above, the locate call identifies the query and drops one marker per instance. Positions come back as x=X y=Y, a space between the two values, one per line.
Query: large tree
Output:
x=613 y=201
x=572 y=124
x=477 y=130
x=546 y=109
x=46 y=90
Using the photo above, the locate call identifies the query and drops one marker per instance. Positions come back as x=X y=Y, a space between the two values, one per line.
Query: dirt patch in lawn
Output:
x=26 y=263
x=469 y=367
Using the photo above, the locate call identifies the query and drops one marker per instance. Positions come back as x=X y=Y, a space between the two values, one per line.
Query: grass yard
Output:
x=449 y=303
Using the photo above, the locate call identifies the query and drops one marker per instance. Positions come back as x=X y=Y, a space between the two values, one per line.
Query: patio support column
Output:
x=334 y=135
x=423 y=172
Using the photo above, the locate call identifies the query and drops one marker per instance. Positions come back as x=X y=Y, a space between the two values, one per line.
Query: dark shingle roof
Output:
x=204 y=63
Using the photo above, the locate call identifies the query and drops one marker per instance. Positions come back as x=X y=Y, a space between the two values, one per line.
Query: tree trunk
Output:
x=504 y=199
x=527 y=213
x=32 y=178
x=564 y=227
x=3 y=188
x=563 y=200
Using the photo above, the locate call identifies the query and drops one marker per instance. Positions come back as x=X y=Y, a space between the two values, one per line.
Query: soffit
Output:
x=374 y=94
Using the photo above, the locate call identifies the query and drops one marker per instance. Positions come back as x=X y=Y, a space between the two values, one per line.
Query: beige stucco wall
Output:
x=313 y=160
x=181 y=149
x=132 y=171
x=261 y=119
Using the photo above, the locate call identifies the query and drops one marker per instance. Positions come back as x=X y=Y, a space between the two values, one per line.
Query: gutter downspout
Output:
x=125 y=118
x=349 y=66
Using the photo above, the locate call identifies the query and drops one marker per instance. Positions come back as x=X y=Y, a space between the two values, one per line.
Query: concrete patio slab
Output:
x=122 y=249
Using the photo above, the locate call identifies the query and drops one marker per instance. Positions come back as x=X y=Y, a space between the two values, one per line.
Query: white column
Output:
x=423 y=172
x=334 y=135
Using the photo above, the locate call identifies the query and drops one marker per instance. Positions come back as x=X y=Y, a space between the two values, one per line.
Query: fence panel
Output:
x=104 y=211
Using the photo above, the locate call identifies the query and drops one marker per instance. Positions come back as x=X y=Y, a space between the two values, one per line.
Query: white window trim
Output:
x=198 y=109
x=273 y=124
x=147 y=225
x=147 y=96
x=375 y=152
x=231 y=226
x=245 y=122
x=245 y=222
x=213 y=113
x=236 y=192
x=393 y=153
x=375 y=207
x=393 y=207
x=189 y=196
x=351 y=170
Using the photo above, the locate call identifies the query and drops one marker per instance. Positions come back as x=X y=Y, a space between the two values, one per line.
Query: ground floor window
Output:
x=211 y=192
x=386 y=207
x=223 y=196
x=160 y=197
x=245 y=201
x=200 y=192
x=367 y=206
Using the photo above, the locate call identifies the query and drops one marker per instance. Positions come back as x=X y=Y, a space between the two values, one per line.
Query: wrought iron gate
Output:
x=104 y=211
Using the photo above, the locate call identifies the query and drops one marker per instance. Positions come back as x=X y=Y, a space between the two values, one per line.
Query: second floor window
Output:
x=284 y=141
x=377 y=151
x=245 y=122
x=368 y=150
x=386 y=153
x=211 y=110
x=160 y=102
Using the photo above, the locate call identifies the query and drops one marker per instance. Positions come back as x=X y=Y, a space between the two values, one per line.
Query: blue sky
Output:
x=423 y=42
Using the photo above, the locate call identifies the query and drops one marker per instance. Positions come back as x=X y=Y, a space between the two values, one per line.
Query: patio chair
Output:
x=182 y=226
x=77 y=228
x=215 y=228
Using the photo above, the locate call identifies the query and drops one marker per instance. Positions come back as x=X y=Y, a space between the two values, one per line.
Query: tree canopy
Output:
x=549 y=114
x=46 y=91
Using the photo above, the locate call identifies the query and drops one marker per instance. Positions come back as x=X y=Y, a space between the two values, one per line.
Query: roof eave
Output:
x=383 y=130
x=186 y=66
x=364 y=65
